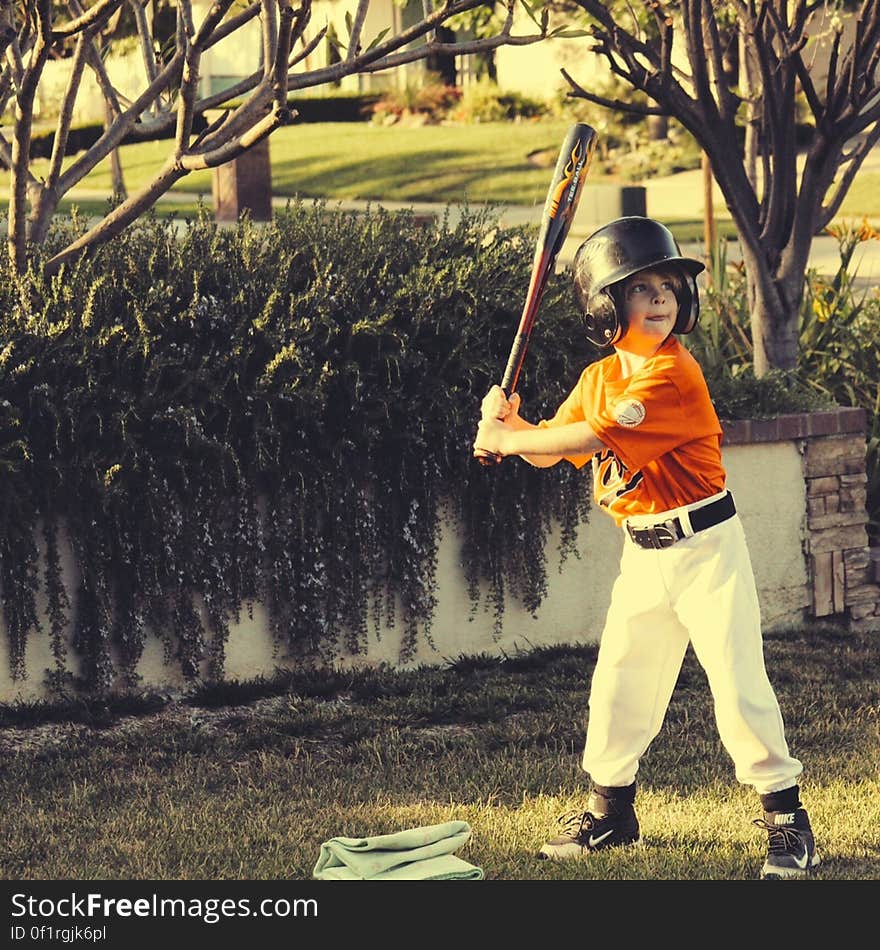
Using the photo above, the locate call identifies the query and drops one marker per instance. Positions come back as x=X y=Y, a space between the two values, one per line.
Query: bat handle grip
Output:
x=514 y=363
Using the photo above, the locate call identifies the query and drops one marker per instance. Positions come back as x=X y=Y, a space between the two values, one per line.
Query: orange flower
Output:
x=864 y=232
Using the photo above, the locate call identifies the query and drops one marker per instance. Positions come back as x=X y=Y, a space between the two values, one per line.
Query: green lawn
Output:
x=446 y=164
x=359 y=160
x=863 y=197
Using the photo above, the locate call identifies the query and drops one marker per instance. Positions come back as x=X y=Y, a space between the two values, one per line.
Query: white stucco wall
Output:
x=126 y=72
x=573 y=611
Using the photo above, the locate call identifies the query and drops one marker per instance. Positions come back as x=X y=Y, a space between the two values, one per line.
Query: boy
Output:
x=644 y=417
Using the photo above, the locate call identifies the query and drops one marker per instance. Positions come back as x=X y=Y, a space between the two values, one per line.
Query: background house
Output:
x=532 y=69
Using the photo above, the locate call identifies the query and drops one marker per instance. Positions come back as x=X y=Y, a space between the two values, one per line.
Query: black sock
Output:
x=787 y=799
x=611 y=800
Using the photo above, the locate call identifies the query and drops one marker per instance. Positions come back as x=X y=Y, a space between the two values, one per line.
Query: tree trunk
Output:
x=658 y=127
x=774 y=334
x=774 y=304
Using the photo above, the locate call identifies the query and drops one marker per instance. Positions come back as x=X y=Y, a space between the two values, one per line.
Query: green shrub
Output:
x=338 y=107
x=627 y=148
x=210 y=417
x=84 y=136
x=79 y=138
x=431 y=99
x=485 y=101
x=639 y=158
x=746 y=396
x=277 y=413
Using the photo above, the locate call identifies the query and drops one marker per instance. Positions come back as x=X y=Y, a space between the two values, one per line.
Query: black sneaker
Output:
x=791 y=848
x=583 y=832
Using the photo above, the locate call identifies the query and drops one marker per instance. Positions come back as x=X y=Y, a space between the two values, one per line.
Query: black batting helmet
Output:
x=617 y=251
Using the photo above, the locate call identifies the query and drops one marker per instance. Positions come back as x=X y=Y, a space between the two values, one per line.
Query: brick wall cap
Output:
x=797 y=425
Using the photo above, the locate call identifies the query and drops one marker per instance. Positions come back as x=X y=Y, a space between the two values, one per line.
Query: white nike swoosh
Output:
x=802 y=862
x=592 y=842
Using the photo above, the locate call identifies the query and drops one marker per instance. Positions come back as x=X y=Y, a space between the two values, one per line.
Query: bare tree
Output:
x=748 y=129
x=31 y=29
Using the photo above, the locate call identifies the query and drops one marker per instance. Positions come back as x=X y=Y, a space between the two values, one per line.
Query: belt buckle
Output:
x=663 y=535
x=657 y=536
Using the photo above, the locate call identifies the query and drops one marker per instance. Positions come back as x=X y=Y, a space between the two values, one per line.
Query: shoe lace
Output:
x=782 y=838
x=574 y=822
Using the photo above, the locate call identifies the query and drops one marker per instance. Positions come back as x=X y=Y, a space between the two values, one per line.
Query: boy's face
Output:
x=650 y=309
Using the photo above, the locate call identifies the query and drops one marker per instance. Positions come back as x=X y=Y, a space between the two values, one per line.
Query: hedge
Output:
x=84 y=136
x=281 y=413
x=341 y=108
x=276 y=414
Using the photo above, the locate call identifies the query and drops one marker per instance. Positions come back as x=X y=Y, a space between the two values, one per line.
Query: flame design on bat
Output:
x=575 y=172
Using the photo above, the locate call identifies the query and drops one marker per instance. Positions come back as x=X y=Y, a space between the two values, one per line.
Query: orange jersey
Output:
x=660 y=429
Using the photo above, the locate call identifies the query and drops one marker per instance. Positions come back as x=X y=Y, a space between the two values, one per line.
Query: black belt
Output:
x=664 y=534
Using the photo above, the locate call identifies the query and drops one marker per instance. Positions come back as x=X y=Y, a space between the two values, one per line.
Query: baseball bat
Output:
x=560 y=205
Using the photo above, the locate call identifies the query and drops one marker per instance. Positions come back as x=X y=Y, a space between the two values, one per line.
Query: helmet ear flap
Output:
x=601 y=321
x=688 y=305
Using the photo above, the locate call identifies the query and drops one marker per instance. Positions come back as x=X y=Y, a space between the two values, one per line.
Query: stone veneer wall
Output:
x=843 y=574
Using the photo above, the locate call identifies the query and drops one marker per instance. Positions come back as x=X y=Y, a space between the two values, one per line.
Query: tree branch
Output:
x=281 y=67
x=95 y=16
x=96 y=64
x=189 y=77
x=269 y=34
x=46 y=195
x=113 y=136
x=380 y=56
x=175 y=169
x=21 y=143
x=726 y=101
x=354 y=39
x=65 y=116
x=148 y=53
x=7 y=37
x=852 y=164
x=120 y=217
x=234 y=23
x=197 y=161
x=307 y=48
x=578 y=92
x=212 y=19
x=693 y=15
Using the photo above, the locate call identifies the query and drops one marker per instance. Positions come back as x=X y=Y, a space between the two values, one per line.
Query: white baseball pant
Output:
x=700 y=590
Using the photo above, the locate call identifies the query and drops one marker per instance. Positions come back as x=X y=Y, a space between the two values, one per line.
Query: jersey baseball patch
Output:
x=629 y=413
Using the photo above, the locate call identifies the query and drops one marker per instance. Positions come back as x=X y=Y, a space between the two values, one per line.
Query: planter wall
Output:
x=799 y=482
x=842 y=575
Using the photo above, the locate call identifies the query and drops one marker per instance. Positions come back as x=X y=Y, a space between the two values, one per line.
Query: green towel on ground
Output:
x=417 y=854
